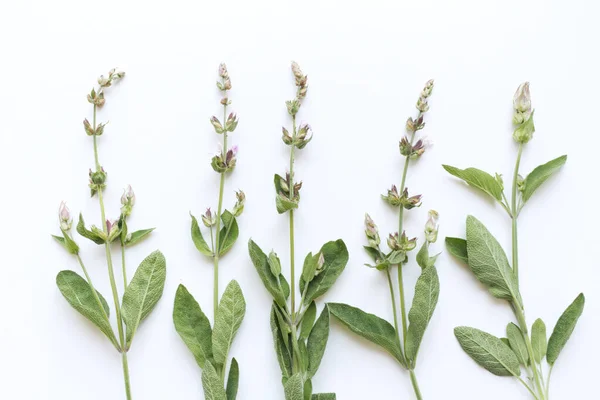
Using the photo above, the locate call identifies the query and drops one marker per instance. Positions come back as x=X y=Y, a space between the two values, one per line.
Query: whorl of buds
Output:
x=301 y=81
x=371 y=232
x=238 y=207
x=231 y=123
x=401 y=243
x=89 y=129
x=523 y=114
x=225 y=163
x=97 y=98
x=64 y=217
x=432 y=226
x=393 y=197
x=127 y=201
x=225 y=83
x=410 y=202
x=422 y=105
x=97 y=180
x=208 y=219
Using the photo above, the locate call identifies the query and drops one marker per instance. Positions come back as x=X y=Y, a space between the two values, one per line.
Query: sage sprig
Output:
x=144 y=291
x=210 y=345
x=300 y=336
x=402 y=342
x=522 y=349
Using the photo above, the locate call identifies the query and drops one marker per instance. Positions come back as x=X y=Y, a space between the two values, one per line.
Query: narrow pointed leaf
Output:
x=230 y=314
x=478 y=179
x=488 y=351
x=317 y=341
x=293 y=388
x=540 y=174
x=308 y=390
x=335 y=255
x=193 y=326
x=143 y=292
x=198 y=239
x=88 y=234
x=233 y=380
x=138 y=236
x=285 y=286
x=229 y=233
x=458 y=248
x=538 y=340
x=308 y=320
x=260 y=261
x=564 y=328
x=213 y=387
x=369 y=326
x=283 y=356
x=517 y=343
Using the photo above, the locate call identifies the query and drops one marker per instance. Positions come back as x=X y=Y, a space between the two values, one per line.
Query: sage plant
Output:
x=144 y=290
x=401 y=341
x=523 y=349
x=210 y=345
x=300 y=337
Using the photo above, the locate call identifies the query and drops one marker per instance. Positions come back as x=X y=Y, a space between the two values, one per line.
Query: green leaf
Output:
x=293 y=388
x=335 y=255
x=478 y=179
x=283 y=356
x=138 y=236
x=285 y=286
x=88 y=234
x=310 y=267
x=488 y=351
x=427 y=291
x=538 y=340
x=199 y=239
x=323 y=396
x=233 y=380
x=317 y=340
x=308 y=390
x=213 y=387
x=81 y=297
x=143 y=292
x=540 y=174
x=308 y=320
x=68 y=243
x=193 y=326
x=229 y=233
x=284 y=204
x=369 y=326
x=564 y=328
x=488 y=261
x=230 y=315
x=517 y=343
x=261 y=263
x=458 y=248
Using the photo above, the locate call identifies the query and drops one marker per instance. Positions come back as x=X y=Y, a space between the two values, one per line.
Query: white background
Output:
x=366 y=65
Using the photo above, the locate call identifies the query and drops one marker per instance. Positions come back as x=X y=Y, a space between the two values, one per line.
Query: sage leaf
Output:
x=137 y=236
x=540 y=174
x=458 y=248
x=293 y=388
x=317 y=340
x=303 y=357
x=564 y=328
x=233 y=380
x=478 y=179
x=538 y=340
x=310 y=267
x=230 y=314
x=369 y=326
x=283 y=356
x=488 y=351
x=335 y=255
x=517 y=343
x=94 y=236
x=488 y=261
x=193 y=326
x=308 y=390
x=308 y=320
x=323 y=396
x=143 y=292
x=261 y=263
x=81 y=297
x=198 y=239
x=229 y=233
x=423 y=255
x=427 y=292
x=213 y=387
x=285 y=286
x=68 y=243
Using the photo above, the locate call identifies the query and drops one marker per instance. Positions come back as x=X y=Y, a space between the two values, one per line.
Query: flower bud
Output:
x=432 y=227
x=112 y=229
x=320 y=264
x=422 y=105
x=216 y=124
x=238 y=208
x=293 y=106
x=427 y=89
x=522 y=98
x=64 y=217
x=371 y=231
x=418 y=149
x=227 y=84
x=232 y=122
x=208 y=219
x=103 y=82
x=392 y=198
x=405 y=243
x=223 y=71
x=409 y=202
x=225 y=101
x=127 y=200
x=393 y=242
x=303 y=136
x=88 y=128
x=287 y=139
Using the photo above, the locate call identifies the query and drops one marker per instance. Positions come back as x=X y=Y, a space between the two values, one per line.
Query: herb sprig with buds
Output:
x=522 y=349
x=145 y=289
x=300 y=337
x=402 y=342
x=210 y=345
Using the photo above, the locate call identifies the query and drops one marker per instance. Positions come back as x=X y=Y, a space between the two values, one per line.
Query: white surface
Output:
x=366 y=66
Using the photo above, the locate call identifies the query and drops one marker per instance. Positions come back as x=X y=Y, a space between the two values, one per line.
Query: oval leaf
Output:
x=458 y=248
x=335 y=255
x=540 y=175
x=308 y=320
x=198 y=239
x=233 y=380
x=229 y=233
x=538 y=340
x=317 y=340
x=517 y=343
x=293 y=388
x=193 y=326
x=261 y=263
x=138 y=236
x=143 y=292
x=488 y=351
x=369 y=326
x=230 y=314
x=478 y=179
x=213 y=387
x=564 y=328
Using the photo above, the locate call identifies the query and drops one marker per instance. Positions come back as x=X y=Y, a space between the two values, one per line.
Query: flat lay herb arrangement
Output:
x=522 y=349
x=402 y=342
x=146 y=287
x=210 y=345
x=300 y=337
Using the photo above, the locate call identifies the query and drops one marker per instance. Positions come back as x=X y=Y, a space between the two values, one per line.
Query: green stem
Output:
x=528 y=387
x=126 y=375
x=292 y=241
x=515 y=246
x=123 y=266
x=402 y=307
x=393 y=297
x=415 y=384
x=523 y=325
x=548 y=381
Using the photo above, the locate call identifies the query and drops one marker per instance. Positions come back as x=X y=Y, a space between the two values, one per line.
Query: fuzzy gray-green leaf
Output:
x=308 y=320
x=458 y=248
x=143 y=292
x=317 y=341
x=323 y=396
x=279 y=339
x=564 y=328
x=193 y=326
x=229 y=233
x=261 y=263
x=538 y=340
x=427 y=291
x=369 y=326
x=88 y=234
x=198 y=239
x=233 y=380
x=540 y=174
x=230 y=314
x=335 y=255
x=488 y=351
x=213 y=387
x=488 y=261
x=294 y=388
x=478 y=179
x=138 y=236
x=517 y=343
